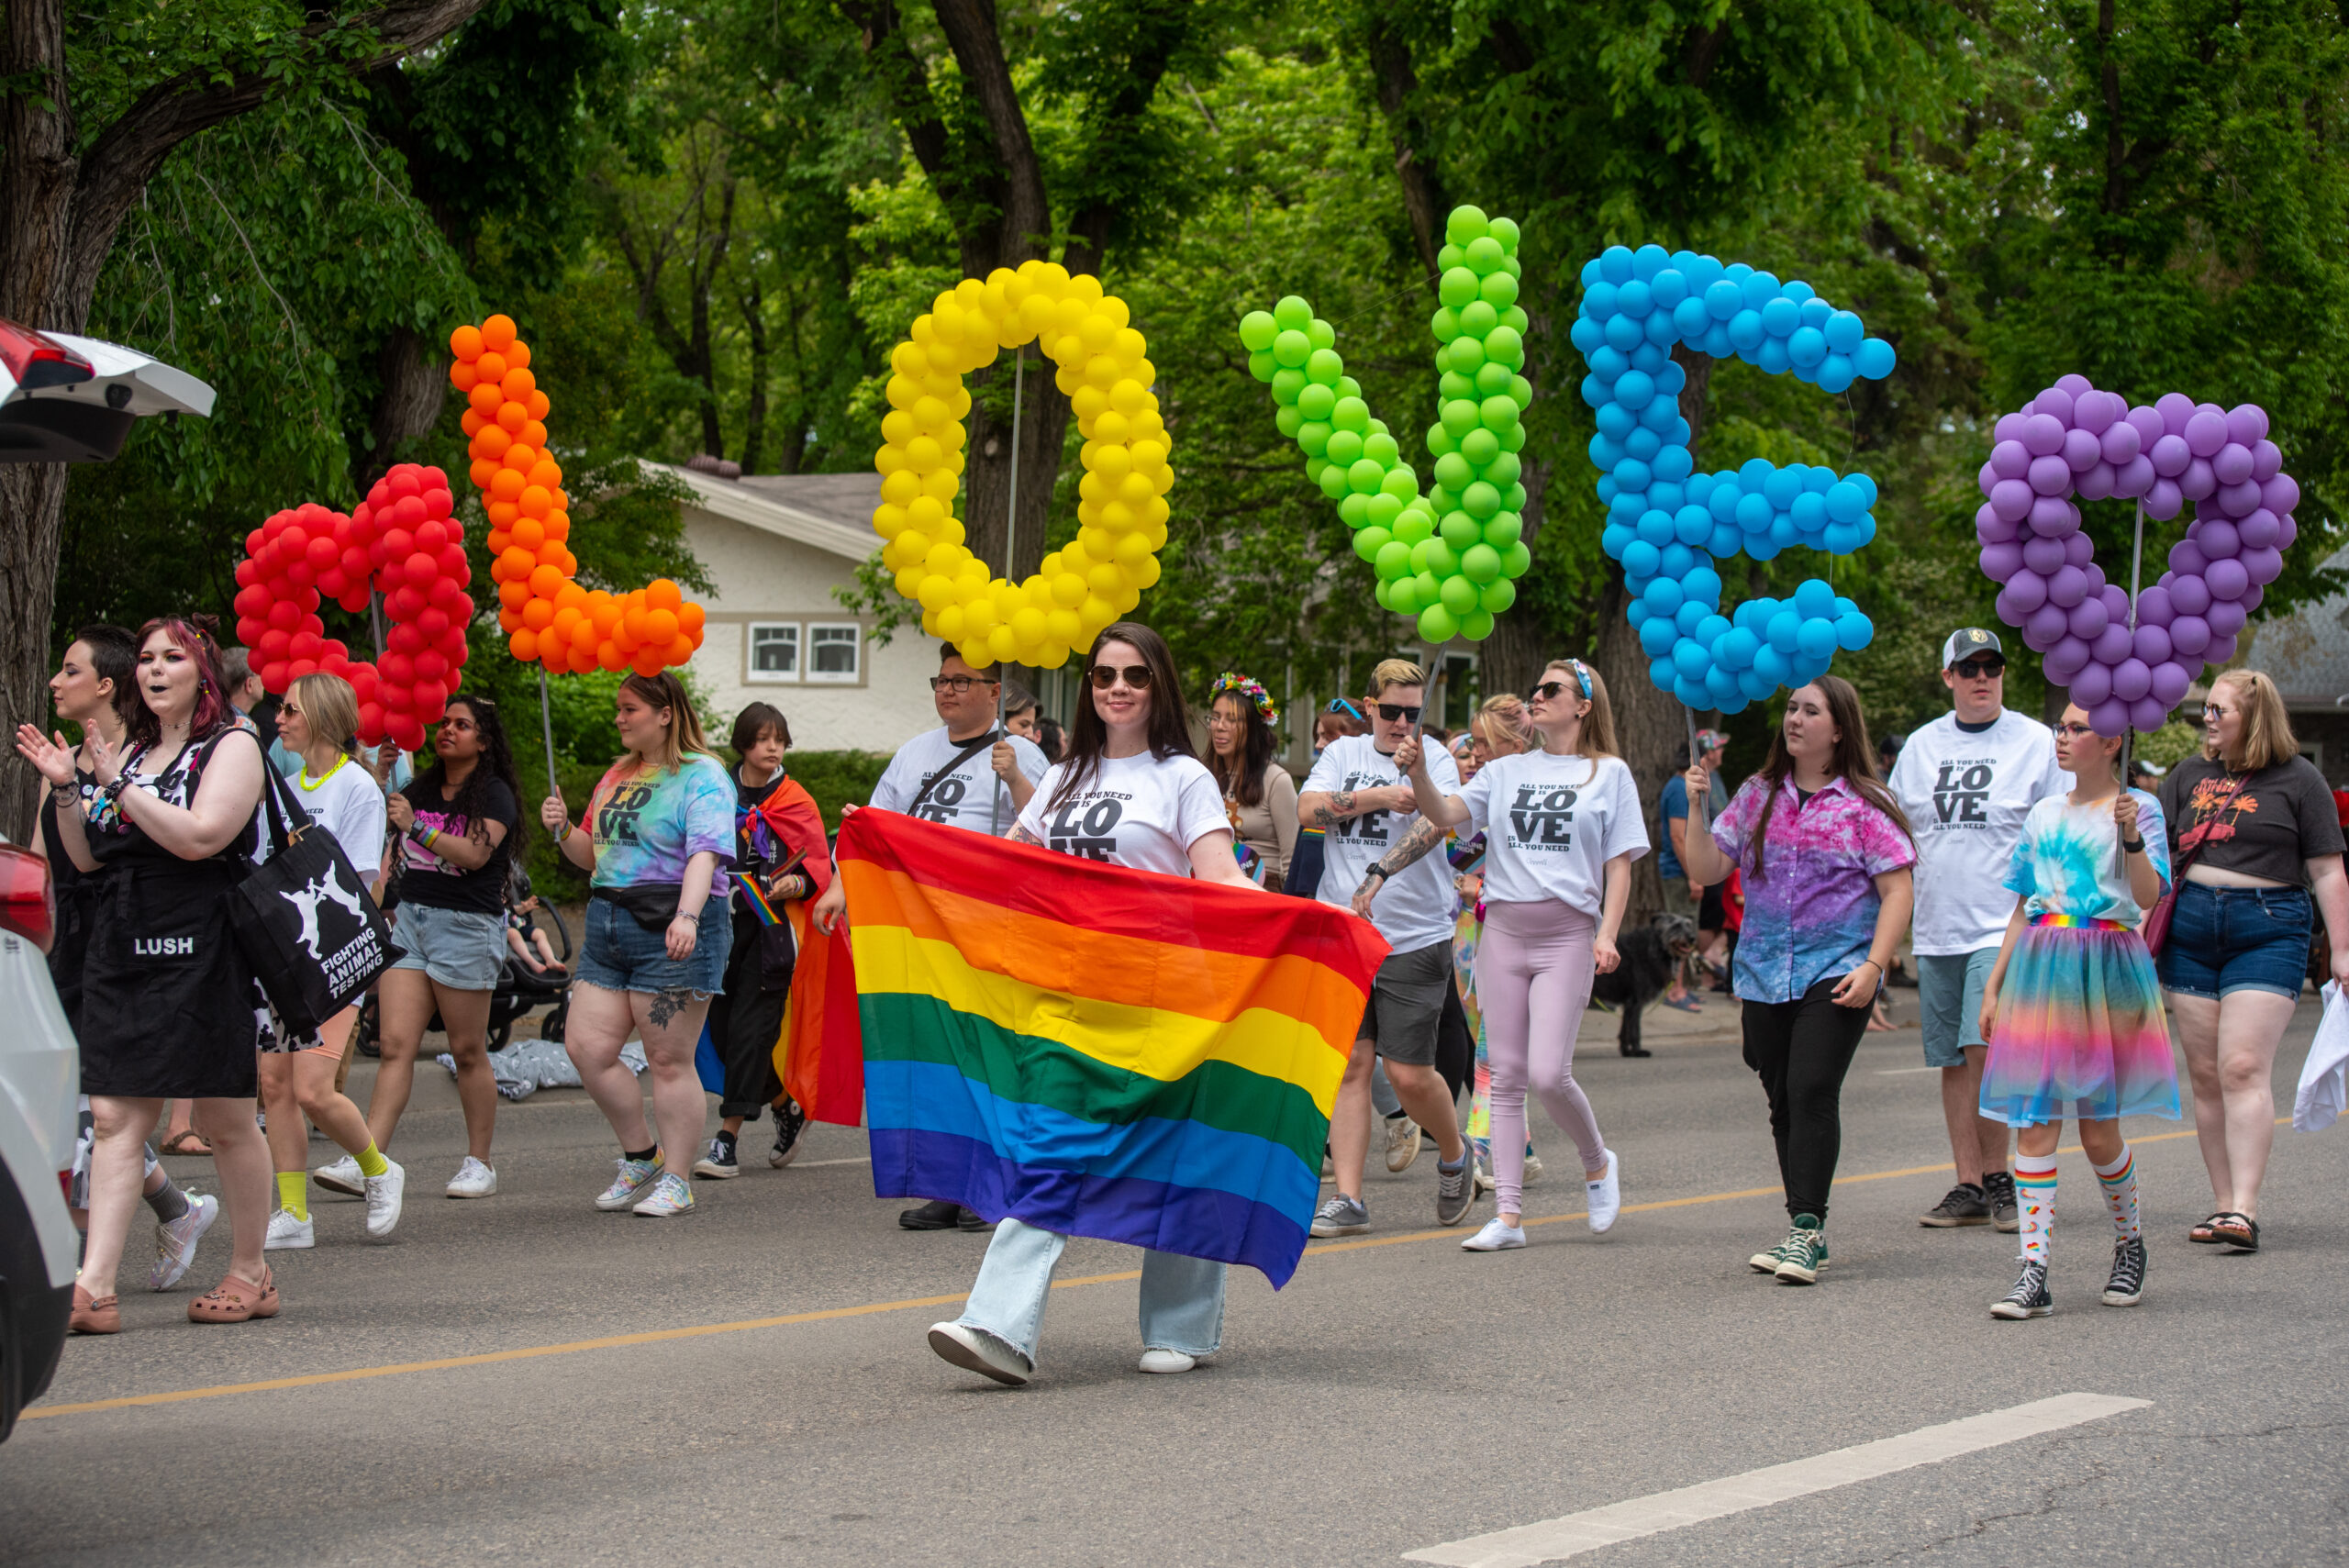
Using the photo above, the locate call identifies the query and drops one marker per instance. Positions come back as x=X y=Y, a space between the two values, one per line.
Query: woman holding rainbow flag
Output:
x=1145 y=801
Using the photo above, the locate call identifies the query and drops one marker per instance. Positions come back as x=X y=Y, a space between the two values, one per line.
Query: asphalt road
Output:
x=1397 y=1396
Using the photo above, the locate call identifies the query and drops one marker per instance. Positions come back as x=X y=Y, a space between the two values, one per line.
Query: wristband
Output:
x=2136 y=849
x=683 y=916
x=567 y=831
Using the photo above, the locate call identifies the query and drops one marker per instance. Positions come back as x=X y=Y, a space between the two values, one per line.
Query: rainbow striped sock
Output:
x=2035 y=1204
x=2120 y=1183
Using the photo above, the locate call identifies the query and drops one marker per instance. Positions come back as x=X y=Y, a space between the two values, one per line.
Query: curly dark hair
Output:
x=496 y=762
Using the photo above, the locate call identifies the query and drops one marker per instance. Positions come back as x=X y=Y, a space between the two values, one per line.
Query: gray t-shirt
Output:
x=2282 y=817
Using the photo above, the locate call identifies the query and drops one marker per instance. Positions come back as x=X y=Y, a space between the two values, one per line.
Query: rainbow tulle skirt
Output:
x=2080 y=1032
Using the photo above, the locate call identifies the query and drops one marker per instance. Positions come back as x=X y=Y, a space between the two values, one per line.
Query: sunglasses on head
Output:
x=1975 y=668
x=1106 y=675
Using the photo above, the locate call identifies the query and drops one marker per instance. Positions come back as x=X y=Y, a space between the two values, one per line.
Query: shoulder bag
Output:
x=961 y=757
x=314 y=938
x=2156 y=929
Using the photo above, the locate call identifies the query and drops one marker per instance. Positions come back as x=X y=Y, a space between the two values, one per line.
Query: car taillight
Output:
x=36 y=360
x=27 y=901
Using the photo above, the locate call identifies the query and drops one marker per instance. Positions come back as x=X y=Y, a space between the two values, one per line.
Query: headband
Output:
x=1582 y=676
x=1249 y=687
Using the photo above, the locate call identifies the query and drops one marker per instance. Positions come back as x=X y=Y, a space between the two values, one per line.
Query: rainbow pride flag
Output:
x=1096 y=1050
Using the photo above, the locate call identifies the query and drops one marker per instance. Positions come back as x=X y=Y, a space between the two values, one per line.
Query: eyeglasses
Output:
x=958 y=684
x=1976 y=668
x=1391 y=711
x=1106 y=675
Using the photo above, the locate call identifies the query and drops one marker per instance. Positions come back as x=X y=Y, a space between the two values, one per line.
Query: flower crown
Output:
x=1249 y=687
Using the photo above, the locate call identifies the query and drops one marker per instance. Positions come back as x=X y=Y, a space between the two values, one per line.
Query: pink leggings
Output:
x=1535 y=963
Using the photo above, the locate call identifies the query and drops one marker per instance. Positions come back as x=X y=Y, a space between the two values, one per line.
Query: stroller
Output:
x=520 y=992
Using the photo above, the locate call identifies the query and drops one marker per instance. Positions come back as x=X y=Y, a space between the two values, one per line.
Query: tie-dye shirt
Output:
x=1810 y=913
x=647 y=823
x=2068 y=860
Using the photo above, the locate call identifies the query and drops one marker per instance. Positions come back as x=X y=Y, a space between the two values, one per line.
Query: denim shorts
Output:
x=620 y=955
x=463 y=949
x=2224 y=939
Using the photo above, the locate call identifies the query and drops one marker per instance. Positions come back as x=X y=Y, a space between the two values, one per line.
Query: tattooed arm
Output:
x=1424 y=835
x=1326 y=809
x=1019 y=835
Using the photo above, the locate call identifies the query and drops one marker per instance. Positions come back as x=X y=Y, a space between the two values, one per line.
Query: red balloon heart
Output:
x=402 y=541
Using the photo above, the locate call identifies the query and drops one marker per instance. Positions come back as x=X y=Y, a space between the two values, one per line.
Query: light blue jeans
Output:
x=1181 y=1298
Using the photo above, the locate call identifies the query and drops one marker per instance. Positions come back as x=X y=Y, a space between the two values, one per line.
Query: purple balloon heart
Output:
x=2074 y=442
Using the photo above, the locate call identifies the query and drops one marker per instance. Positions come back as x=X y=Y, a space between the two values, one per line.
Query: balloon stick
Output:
x=2129 y=731
x=375 y=620
x=545 y=729
x=1010 y=527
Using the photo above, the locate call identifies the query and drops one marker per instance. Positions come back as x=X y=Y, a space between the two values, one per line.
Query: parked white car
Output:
x=70 y=399
x=40 y=1083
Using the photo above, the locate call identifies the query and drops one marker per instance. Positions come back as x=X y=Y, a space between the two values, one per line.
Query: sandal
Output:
x=2202 y=1232
x=1685 y=1003
x=95 y=1313
x=2237 y=1232
x=235 y=1300
x=186 y=1143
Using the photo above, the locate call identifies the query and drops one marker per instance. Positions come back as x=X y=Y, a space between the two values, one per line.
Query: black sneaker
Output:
x=1964 y=1204
x=2127 y=1286
x=2029 y=1298
x=719 y=1162
x=790 y=1121
x=971 y=1219
x=935 y=1215
x=1998 y=1192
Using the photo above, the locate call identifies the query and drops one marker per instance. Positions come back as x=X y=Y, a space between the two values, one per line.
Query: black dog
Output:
x=1651 y=955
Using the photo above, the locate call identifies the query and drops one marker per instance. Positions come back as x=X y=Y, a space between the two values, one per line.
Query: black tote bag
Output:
x=314 y=938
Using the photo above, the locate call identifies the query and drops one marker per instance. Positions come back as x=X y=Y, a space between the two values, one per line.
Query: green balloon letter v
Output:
x=1450 y=555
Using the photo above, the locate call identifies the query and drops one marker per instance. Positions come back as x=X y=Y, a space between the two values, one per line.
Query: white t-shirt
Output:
x=1966 y=795
x=1551 y=825
x=1144 y=812
x=968 y=796
x=348 y=805
x=1416 y=907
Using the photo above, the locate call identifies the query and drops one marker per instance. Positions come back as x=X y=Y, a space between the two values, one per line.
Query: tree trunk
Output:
x=1423 y=198
x=415 y=386
x=986 y=477
x=755 y=427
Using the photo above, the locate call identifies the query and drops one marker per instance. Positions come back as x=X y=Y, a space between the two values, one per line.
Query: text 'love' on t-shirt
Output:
x=1416 y=907
x=1551 y=825
x=1143 y=812
x=648 y=822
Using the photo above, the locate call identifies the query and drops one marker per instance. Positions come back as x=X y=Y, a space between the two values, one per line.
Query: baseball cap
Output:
x=1710 y=740
x=1968 y=641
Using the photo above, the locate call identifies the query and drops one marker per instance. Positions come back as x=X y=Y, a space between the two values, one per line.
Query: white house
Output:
x=776 y=545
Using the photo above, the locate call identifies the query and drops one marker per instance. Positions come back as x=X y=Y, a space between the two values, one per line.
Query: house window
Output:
x=774 y=652
x=834 y=653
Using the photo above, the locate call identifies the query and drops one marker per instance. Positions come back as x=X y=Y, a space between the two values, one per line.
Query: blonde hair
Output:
x=682 y=737
x=1504 y=720
x=1396 y=672
x=1598 y=738
x=2267 y=737
x=330 y=707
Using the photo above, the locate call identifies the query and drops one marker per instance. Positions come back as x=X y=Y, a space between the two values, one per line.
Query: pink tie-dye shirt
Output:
x=1810 y=912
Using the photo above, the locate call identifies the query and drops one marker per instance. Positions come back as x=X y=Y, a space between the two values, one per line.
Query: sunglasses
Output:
x=1391 y=711
x=1975 y=668
x=2213 y=711
x=1545 y=691
x=958 y=684
x=1106 y=675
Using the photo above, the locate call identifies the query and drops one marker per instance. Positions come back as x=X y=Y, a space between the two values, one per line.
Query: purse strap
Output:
x=288 y=818
x=964 y=755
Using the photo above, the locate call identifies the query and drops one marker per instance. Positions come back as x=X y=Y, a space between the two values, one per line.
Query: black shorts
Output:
x=1711 y=916
x=1406 y=1002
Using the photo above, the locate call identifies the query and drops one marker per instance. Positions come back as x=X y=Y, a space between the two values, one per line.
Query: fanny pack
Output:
x=651 y=905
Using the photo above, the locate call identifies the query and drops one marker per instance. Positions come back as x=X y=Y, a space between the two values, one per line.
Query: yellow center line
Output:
x=661 y=1336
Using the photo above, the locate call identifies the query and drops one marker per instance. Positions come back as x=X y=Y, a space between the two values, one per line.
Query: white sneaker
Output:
x=628 y=1185
x=975 y=1351
x=342 y=1176
x=473 y=1179
x=1532 y=1169
x=670 y=1197
x=383 y=1199
x=1605 y=1195
x=1498 y=1236
x=287 y=1233
x=1168 y=1361
x=1402 y=1142
x=175 y=1241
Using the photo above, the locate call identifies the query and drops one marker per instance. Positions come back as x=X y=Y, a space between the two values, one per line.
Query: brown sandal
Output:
x=95 y=1313
x=188 y=1143
x=235 y=1300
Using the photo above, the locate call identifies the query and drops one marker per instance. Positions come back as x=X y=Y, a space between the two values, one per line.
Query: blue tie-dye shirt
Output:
x=648 y=823
x=2068 y=860
x=1810 y=912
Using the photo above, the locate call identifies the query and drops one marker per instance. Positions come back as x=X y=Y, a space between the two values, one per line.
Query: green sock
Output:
x=371 y=1161
x=292 y=1188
